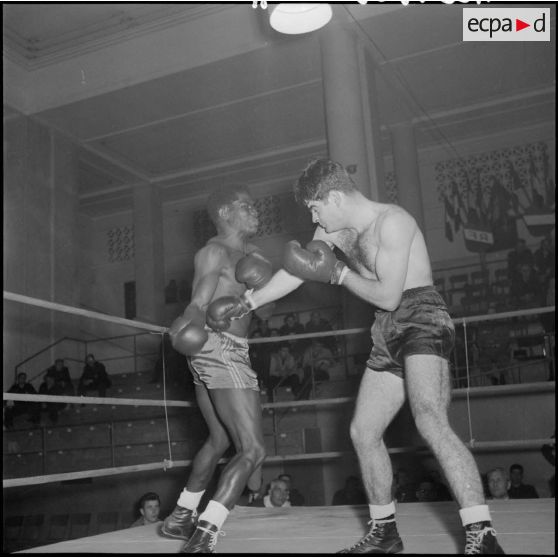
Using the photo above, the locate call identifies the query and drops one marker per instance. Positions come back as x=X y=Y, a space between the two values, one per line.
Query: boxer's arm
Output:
x=281 y=284
x=208 y=263
x=391 y=264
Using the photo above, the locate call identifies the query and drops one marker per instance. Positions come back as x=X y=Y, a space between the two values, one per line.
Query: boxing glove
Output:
x=254 y=270
x=188 y=337
x=316 y=262
x=226 y=308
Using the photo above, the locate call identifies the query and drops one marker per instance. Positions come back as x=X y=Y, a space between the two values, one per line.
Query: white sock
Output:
x=379 y=512
x=189 y=500
x=215 y=513
x=474 y=514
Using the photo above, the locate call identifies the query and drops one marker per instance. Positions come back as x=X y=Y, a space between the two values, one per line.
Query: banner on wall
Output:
x=488 y=193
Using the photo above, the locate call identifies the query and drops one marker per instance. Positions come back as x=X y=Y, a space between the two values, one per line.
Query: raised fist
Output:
x=224 y=309
x=316 y=262
x=188 y=336
x=254 y=270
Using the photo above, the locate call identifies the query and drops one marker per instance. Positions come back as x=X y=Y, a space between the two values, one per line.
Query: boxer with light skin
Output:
x=413 y=335
x=226 y=387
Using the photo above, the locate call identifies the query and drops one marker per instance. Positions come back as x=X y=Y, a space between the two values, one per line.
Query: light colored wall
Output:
x=40 y=239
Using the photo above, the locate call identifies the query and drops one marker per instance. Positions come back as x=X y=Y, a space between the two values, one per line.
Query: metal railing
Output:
x=86 y=348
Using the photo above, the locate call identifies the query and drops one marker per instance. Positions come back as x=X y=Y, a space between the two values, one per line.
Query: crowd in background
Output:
x=57 y=381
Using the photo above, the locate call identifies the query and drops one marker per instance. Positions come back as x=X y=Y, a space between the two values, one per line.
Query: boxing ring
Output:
x=525 y=527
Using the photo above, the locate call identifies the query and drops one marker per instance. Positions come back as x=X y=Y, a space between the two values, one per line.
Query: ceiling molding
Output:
x=35 y=53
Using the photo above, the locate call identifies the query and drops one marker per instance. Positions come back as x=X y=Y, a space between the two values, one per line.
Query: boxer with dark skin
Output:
x=413 y=335
x=226 y=387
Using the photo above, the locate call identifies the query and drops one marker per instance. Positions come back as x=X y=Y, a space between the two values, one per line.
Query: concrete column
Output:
x=407 y=170
x=350 y=109
x=149 y=258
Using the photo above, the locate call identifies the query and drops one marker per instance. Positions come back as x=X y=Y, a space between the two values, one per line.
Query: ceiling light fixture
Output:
x=295 y=19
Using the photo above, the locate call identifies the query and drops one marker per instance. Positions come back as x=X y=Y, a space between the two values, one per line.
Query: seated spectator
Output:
x=295 y=497
x=317 y=361
x=61 y=374
x=549 y=453
x=404 y=489
x=517 y=489
x=15 y=408
x=292 y=326
x=498 y=483
x=50 y=387
x=317 y=364
x=149 y=507
x=94 y=377
x=517 y=257
x=525 y=288
x=316 y=324
x=277 y=496
x=283 y=369
x=260 y=327
x=352 y=494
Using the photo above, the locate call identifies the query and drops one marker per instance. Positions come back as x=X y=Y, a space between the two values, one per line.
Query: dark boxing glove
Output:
x=254 y=270
x=316 y=262
x=188 y=336
x=226 y=308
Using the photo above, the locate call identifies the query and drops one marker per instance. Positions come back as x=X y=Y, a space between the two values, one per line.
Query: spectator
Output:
x=283 y=369
x=352 y=494
x=295 y=497
x=15 y=408
x=498 y=484
x=517 y=257
x=405 y=489
x=549 y=453
x=149 y=507
x=50 y=387
x=292 y=326
x=94 y=377
x=517 y=489
x=263 y=328
x=317 y=359
x=316 y=324
x=525 y=288
x=277 y=496
x=61 y=374
x=317 y=362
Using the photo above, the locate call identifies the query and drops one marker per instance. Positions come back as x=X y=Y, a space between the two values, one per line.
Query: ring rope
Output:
x=468 y=388
x=153 y=402
x=534 y=387
x=94 y=400
x=81 y=312
x=167 y=462
x=478 y=447
x=160 y=329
